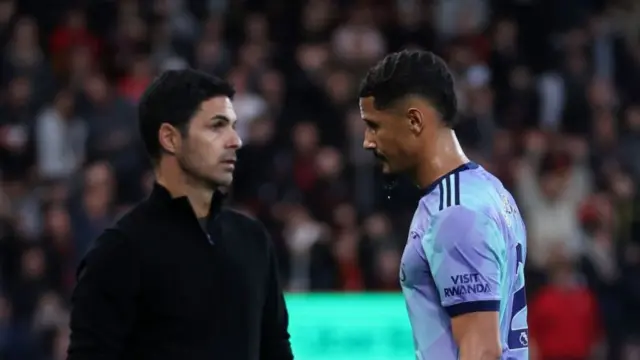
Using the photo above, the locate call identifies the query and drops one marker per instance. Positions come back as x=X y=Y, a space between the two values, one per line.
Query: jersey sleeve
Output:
x=466 y=252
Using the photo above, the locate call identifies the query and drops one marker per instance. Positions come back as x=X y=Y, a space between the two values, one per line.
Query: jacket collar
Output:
x=161 y=195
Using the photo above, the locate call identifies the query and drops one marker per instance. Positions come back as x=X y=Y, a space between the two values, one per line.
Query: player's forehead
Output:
x=368 y=110
x=216 y=107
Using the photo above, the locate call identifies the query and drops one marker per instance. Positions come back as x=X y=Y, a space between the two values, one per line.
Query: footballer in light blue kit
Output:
x=462 y=270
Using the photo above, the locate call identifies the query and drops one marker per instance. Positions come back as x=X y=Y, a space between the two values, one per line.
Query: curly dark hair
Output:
x=412 y=72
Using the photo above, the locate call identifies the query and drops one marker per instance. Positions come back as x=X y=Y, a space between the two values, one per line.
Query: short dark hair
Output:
x=174 y=97
x=412 y=72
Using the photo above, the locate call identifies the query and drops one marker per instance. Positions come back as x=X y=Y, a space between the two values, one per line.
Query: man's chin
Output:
x=212 y=179
x=385 y=168
x=219 y=181
x=224 y=180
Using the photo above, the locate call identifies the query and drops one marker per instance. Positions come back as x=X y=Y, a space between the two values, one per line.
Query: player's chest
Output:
x=414 y=268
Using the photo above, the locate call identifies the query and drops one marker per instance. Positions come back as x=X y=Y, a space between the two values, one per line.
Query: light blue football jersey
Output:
x=465 y=253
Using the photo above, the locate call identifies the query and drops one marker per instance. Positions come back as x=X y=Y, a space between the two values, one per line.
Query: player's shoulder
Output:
x=461 y=217
x=480 y=190
x=463 y=227
x=470 y=199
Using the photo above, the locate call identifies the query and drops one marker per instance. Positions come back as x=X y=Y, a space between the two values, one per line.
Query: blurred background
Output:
x=549 y=95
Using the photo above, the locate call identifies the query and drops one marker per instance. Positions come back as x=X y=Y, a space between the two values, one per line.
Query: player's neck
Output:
x=180 y=184
x=444 y=156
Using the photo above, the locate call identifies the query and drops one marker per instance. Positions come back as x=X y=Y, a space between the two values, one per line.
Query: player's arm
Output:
x=103 y=302
x=464 y=249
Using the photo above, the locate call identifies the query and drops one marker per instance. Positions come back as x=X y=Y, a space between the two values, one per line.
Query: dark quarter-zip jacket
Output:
x=159 y=285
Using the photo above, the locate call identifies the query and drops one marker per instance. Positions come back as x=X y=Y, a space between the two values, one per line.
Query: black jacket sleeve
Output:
x=104 y=300
x=275 y=343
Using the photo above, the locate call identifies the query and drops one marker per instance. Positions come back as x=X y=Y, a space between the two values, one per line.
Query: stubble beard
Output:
x=198 y=178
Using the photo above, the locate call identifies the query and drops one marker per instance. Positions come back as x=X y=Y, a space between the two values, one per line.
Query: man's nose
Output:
x=235 y=142
x=368 y=144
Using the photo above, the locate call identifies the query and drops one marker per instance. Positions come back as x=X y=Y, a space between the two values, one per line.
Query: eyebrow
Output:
x=223 y=118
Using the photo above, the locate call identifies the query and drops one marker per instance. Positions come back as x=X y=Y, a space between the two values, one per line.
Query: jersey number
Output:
x=518 y=337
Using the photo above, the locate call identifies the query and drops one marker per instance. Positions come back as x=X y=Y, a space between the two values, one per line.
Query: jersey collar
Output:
x=466 y=166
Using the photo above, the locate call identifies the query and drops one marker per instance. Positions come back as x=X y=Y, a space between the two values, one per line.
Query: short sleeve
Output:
x=466 y=252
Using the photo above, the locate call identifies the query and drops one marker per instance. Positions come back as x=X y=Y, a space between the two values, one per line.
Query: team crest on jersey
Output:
x=507 y=209
x=524 y=338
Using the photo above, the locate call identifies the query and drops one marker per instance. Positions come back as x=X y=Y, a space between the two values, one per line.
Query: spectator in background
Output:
x=8 y=344
x=59 y=248
x=61 y=138
x=631 y=140
x=16 y=121
x=182 y=24
x=7 y=20
x=599 y=264
x=629 y=264
x=357 y=42
x=563 y=316
x=329 y=189
x=301 y=233
x=111 y=123
x=93 y=208
x=212 y=54
x=550 y=185
x=78 y=68
x=378 y=250
x=136 y=81
x=24 y=58
x=49 y=316
x=249 y=105
x=130 y=38
x=71 y=33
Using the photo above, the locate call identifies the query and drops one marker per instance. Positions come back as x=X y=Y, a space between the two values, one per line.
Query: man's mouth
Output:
x=379 y=157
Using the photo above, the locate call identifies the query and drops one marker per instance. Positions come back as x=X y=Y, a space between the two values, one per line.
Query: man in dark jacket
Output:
x=180 y=277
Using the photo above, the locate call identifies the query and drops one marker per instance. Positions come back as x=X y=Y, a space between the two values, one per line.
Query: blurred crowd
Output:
x=549 y=98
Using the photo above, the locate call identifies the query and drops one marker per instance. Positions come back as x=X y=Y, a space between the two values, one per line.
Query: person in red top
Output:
x=71 y=34
x=564 y=322
x=133 y=85
x=347 y=261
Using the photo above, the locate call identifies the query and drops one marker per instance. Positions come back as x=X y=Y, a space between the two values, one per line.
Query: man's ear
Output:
x=169 y=138
x=416 y=120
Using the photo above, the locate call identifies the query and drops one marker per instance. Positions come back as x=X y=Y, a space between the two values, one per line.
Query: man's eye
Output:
x=372 y=126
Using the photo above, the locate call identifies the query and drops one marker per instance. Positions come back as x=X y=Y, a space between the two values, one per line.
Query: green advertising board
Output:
x=349 y=327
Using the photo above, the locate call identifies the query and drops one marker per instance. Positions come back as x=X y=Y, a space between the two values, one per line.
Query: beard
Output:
x=197 y=175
